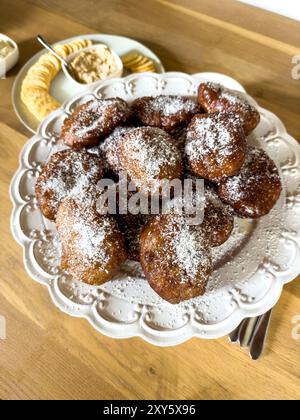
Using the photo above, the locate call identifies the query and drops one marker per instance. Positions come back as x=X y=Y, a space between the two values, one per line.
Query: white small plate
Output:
x=62 y=89
x=250 y=269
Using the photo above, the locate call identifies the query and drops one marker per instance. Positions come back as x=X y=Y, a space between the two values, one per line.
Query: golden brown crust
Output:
x=67 y=172
x=215 y=98
x=215 y=146
x=92 y=245
x=255 y=190
x=91 y=121
x=176 y=258
x=149 y=155
x=167 y=112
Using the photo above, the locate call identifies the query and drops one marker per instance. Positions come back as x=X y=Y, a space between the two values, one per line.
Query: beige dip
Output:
x=6 y=48
x=94 y=64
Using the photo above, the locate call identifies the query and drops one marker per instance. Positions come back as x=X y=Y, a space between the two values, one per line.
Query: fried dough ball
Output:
x=91 y=121
x=165 y=111
x=149 y=155
x=92 y=245
x=176 y=258
x=66 y=172
x=214 y=98
x=255 y=190
x=218 y=220
x=215 y=146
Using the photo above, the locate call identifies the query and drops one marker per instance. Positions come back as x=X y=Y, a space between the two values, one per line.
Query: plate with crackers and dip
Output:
x=42 y=85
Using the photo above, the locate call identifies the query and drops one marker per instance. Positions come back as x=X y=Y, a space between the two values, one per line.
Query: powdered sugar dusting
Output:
x=152 y=149
x=64 y=183
x=212 y=134
x=68 y=172
x=91 y=237
x=98 y=116
x=170 y=105
x=190 y=250
x=234 y=97
x=248 y=180
x=84 y=232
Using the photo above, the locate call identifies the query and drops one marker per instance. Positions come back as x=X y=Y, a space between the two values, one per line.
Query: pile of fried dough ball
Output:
x=155 y=138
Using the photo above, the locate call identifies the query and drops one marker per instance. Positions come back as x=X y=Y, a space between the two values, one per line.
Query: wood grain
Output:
x=49 y=355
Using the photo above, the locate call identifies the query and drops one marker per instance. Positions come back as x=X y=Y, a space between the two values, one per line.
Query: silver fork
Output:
x=252 y=333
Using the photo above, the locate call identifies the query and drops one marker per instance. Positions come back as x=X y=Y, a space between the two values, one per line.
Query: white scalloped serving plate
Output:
x=250 y=269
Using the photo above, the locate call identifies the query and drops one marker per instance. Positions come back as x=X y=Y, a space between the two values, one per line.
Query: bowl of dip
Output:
x=9 y=54
x=92 y=64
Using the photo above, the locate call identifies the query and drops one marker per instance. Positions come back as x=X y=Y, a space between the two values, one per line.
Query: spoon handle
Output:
x=45 y=44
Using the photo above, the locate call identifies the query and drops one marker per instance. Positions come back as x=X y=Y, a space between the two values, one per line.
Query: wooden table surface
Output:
x=49 y=355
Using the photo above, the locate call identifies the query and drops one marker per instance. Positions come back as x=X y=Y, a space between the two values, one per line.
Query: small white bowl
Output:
x=117 y=73
x=10 y=61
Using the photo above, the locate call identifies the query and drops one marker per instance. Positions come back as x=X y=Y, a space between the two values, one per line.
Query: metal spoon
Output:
x=45 y=44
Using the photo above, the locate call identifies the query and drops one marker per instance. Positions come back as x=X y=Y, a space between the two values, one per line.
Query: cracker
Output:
x=142 y=60
x=131 y=57
x=138 y=63
x=61 y=50
x=133 y=62
x=50 y=58
x=147 y=67
x=142 y=65
x=36 y=84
